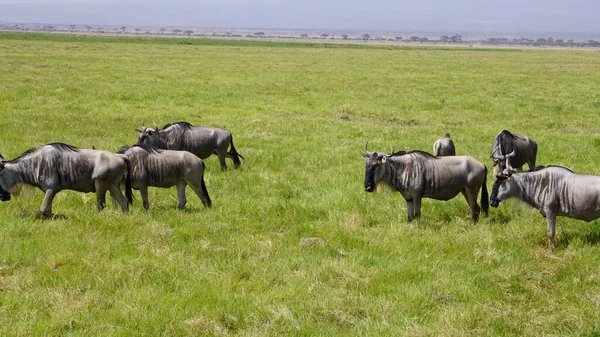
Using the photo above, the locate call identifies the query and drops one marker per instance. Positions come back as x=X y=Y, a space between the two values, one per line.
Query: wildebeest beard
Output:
x=4 y=195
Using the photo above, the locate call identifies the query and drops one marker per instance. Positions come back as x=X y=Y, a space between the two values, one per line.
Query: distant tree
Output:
x=593 y=43
x=228 y=34
x=176 y=30
x=415 y=38
x=137 y=30
x=455 y=38
x=188 y=32
x=304 y=36
x=444 y=38
x=162 y=30
x=123 y=29
x=324 y=35
x=398 y=38
x=365 y=37
x=88 y=28
x=48 y=28
x=550 y=41
x=541 y=42
x=259 y=34
x=72 y=27
x=345 y=36
x=423 y=39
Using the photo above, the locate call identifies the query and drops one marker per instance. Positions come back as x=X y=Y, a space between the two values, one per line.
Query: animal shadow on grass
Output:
x=592 y=238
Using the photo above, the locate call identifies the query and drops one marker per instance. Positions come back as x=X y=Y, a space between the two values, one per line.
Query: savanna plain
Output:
x=293 y=246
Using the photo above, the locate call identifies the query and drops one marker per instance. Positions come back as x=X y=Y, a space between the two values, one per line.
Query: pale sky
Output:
x=474 y=16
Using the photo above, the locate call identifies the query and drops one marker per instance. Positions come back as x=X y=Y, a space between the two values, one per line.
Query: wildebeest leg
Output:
x=417 y=202
x=202 y=193
x=551 y=219
x=410 y=206
x=144 y=193
x=222 y=154
x=181 y=199
x=116 y=194
x=46 y=209
x=471 y=198
x=100 y=197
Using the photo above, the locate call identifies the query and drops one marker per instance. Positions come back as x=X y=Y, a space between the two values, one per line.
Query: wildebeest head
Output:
x=4 y=195
x=147 y=135
x=373 y=171
x=501 y=190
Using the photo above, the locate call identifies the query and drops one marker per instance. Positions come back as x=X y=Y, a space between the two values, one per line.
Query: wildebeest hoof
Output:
x=50 y=216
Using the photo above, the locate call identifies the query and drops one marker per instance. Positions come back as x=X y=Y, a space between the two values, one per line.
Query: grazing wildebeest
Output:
x=444 y=146
x=166 y=168
x=418 y=174
x=512 y=151
x=554 y=191
x=57 y=166
x=199 y=140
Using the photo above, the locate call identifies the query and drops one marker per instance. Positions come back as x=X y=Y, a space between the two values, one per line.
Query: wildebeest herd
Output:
x=553 y=190
x=173 y=156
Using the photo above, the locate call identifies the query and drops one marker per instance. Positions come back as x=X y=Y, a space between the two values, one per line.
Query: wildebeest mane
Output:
x=506 y=141
x=146 y=147
x=57 y=145
x=184 y=125
x=541 y=167
x=419 y=153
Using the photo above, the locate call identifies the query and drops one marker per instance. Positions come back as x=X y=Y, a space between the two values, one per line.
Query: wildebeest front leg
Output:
x=551 y=219
x=410 y=208
x=46 y=209
x=144 y=193
x=181 y=199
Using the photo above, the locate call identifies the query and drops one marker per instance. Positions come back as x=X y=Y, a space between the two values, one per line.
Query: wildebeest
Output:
x=444 y=146
x=511 y=151
x=166 y=168
x=418 y=174
x=199 y=140
x=554 y=191
x=57 y=166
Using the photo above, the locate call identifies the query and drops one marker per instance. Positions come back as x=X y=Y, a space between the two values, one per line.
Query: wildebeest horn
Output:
x=143 y=127
x=391 y=150
x=367 y=151
x=155 y=127
x=2 y=157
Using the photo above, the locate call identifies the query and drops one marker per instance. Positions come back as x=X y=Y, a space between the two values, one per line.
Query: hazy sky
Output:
x=477 y=16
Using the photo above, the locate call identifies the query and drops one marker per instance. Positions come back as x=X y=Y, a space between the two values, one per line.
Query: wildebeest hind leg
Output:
x=410 y=208
x=471 y=198
x=116 y=194
x=181 y=199
x=222 y=154
x=202 y=193
x=551 y=219
x=100 y=197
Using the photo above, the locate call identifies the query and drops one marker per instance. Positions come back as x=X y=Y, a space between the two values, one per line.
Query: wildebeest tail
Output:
x=206 y=203
x=128 y=189
x=485 y=201
x=234 y=155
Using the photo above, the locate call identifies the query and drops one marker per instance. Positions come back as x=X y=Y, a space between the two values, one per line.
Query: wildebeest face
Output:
x=145 y=135
x=4 y=195
x=500 y=190
x=372 y=169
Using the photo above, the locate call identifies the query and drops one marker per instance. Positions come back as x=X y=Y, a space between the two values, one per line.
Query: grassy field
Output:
x=293 y=246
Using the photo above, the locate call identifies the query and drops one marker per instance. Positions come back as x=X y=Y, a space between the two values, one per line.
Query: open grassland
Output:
x=293 y=246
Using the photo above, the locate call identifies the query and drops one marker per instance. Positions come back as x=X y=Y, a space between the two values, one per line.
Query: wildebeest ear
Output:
x=138 y=130
x=364 y=155
x=384 y=159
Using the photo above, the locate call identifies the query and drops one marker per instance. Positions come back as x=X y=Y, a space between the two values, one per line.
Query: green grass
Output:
x=293 y=246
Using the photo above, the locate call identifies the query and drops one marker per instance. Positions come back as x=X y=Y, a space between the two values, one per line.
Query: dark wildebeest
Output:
x=199 y=140
x=444 y=147
x=554 y=191
x=57 y=166
x=512 y=151
x=418 y=174
x=166 y=168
